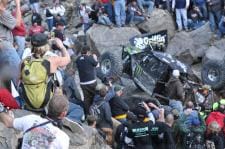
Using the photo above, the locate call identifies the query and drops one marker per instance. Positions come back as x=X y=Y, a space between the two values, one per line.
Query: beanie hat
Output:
x=176 y=73
x=39 y=40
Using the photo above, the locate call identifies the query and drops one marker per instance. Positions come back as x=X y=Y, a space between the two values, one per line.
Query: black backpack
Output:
x=48 y=13
x=95 y=111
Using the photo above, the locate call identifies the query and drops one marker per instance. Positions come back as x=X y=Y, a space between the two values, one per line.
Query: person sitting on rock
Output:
x=36 y=126
x=104 y=19
x=149 y=3
x=134 y=14
x=195 y=18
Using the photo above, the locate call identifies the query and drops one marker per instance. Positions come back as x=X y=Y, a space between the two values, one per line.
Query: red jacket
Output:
x=218 y=117
x=36 y=29
x=7 y=99
x=20 y=30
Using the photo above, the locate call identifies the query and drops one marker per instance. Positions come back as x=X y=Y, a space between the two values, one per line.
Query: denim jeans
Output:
x=181 y=18
x=194 y=24
x=150 y=5
x=203 y=10
x=35 y=7
x=9 y=63
x=75 y=112
x=20 y=41
x=120 y=14
x=109 y=9
x=132 y=18
x=50 y=24
x=214 y=18
x=221 y=30
x=104 y=20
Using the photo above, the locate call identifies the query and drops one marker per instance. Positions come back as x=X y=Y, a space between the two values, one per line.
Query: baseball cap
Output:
x=118 y=88
x=39 y=39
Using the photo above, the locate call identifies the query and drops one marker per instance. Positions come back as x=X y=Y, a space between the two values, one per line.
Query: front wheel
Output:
x=111 y=65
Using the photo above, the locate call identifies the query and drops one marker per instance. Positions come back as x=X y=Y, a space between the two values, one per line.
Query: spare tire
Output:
x=213 y=74
x=111 y=65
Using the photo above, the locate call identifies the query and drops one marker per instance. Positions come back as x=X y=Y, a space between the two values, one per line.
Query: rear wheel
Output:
x=213 y=74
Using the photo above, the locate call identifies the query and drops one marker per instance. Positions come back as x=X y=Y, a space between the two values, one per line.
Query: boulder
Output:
x=101 y=38
x=190 y=47
x=159 y=20
x=81 y=137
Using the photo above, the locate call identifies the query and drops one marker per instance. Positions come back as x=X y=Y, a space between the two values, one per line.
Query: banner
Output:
x=158 y=41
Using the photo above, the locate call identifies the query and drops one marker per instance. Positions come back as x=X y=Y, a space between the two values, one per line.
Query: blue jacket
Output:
x=106 y=115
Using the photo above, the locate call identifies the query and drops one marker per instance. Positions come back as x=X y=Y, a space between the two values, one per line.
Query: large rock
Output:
x=189 y=47
x=159 y=20
x=102 y=38
x=80 y=137
x=216 y=51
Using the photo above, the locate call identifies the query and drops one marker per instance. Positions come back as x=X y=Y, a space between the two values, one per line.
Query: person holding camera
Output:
x=140 y=131
x=86 y=65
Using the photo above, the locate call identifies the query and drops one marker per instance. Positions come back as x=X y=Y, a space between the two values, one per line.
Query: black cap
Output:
x=140 y=112
x=39 y=40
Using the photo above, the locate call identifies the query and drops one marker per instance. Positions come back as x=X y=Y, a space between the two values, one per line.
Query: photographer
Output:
x=86 y=65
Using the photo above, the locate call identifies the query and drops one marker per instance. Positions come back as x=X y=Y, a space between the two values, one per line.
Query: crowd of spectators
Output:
x=35 y=77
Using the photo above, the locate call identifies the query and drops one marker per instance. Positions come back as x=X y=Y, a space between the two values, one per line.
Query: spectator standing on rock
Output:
x=35 y=29
x=120 y=12
x=34 y=5
x=37 y=129
x=221 y=30
x=180 y=7
x=201 y=4
x=175 y=87
x=8 y=55
x=49 y=17
x=86 y=65
x=215 y=10
x=36 y=17
x=19 y=34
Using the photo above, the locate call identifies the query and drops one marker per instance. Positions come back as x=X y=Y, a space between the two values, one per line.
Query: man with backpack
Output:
x=37 y=76
x=102 y=111
x=37 y=129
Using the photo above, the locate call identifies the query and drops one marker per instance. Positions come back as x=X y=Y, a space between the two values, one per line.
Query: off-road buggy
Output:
x=146 y=63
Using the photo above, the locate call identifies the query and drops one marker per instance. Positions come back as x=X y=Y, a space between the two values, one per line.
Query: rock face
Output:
x=159 y=20
x=87 y=138
x=190 y=46
x=216 y=51
x=102 y=38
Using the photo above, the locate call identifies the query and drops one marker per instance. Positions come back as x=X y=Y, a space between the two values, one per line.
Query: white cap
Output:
x=176 y=73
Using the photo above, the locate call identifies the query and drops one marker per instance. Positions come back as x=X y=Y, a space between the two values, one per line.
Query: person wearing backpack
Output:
x=38 y=70
x=41 y=132
x=104 y=122
x=49 y=17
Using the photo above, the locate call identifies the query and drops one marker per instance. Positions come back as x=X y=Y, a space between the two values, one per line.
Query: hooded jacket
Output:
x=174 y=88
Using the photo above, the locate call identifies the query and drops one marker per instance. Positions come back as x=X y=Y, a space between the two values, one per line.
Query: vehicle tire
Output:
x=213 y=74
x=111 y=65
